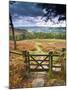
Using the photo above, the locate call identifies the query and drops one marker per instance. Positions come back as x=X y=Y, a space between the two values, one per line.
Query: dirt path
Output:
x=39 y=49
x=38 y=80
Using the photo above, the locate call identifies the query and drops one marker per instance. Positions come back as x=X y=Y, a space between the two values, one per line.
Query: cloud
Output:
x=28 y=14
x=27 y=21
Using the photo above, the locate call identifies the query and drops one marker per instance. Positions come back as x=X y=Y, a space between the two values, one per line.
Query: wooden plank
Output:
x=15 y=53
x=38 y=55
x=28 y=62
x=31 y=54
x=42 y=55
x=40 y=60
x=42 y=64
x=38 y=70
x=50 y=61
x=56 y=66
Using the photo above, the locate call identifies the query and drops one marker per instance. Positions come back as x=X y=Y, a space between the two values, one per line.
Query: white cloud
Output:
x=23 y=21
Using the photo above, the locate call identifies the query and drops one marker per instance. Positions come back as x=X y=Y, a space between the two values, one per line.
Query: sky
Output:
x=29 y=14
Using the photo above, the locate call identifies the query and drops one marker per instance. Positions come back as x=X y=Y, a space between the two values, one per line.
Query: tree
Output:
x=12 y=27
x=53 y=10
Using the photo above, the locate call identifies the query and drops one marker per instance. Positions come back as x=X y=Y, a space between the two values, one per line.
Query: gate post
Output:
x=64 y=63
x=50 y=62
x=26 y=59
x=27 y=62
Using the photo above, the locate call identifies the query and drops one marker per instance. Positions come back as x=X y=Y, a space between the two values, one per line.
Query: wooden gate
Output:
x=38 y=62
x=41 y=62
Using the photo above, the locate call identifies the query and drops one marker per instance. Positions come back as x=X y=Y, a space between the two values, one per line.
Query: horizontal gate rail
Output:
x=57 y=66
x=40 y=60
x=42 y=64
x=39 y=70
x=38 y=55
x=42 y=55
x=15 y=53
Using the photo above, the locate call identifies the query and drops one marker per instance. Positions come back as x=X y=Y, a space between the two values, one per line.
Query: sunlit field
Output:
x=18 y=75
x=37 y=44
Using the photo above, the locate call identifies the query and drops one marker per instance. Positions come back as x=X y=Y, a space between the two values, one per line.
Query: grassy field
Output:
x=18 y=76
x=39 y=45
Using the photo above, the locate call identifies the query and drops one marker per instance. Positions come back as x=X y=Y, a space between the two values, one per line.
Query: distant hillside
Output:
x=44 y=29
x=20 y=31
x=39 y=33
x=21 y=34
